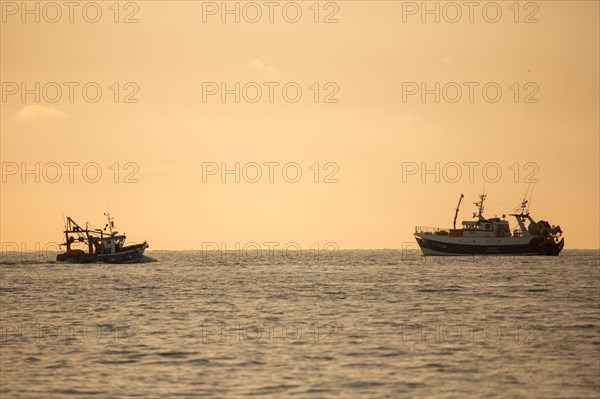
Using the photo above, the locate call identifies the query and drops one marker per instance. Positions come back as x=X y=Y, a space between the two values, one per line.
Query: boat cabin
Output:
x=494 y=227
x=107 y=245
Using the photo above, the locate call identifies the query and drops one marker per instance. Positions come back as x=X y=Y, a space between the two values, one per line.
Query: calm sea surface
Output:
x=351 y=324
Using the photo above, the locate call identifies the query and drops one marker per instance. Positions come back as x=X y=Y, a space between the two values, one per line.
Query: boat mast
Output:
x=524 y=209
x=110 y=224
x=67 y=228
x=87 y=237
x=456 y=213
x=479 y=204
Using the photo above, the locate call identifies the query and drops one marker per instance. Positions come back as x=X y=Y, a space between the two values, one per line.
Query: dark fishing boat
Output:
x=100 y=245
x=492 y=236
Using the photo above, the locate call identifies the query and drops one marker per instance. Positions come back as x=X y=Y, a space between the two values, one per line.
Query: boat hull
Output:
x=129 y=254
x=132 y=255
x=432 y=245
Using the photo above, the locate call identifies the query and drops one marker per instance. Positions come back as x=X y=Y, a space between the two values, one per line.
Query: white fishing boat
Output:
x=492 y=236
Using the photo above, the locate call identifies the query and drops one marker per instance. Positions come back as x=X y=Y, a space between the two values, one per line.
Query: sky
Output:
x=345 y=123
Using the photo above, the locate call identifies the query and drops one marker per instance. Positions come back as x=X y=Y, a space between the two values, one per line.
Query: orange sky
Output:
x=365 y=132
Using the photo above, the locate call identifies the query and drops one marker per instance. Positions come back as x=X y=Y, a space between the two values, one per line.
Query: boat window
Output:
x=470 y=226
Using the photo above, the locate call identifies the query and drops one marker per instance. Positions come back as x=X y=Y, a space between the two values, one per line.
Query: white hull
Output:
x=440 y=245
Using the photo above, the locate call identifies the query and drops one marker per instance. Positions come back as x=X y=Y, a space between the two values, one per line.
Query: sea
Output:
x=344 y=324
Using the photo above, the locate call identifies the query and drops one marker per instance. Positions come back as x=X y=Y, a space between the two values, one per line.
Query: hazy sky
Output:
x=370 y=122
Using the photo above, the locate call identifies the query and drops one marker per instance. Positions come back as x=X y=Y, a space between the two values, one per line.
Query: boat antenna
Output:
x=110 y=223
x=530 y=196
x=527 y=202
x=457 y=208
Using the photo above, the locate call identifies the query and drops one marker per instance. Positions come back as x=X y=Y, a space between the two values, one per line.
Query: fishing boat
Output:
x=100 y=245
x=492 y=236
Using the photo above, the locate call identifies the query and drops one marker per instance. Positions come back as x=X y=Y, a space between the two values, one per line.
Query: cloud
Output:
x=446 y=60
x=260 y=66
x=36 y=111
